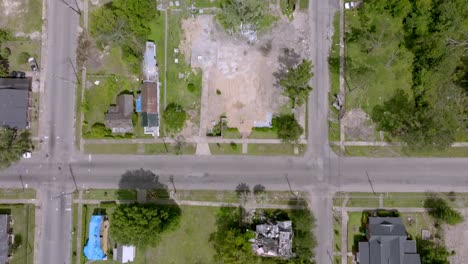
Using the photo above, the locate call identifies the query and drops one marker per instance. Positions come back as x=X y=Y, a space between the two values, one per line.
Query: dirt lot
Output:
x=456 y=238
x=238 y=77
x=23 y=17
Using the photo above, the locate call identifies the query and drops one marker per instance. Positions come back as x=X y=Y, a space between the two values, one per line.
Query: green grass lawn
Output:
x=225 y=149
x=169 y=149
x=303 y=5
x=395 y=151
x=78 y=123
x=109 y=195
x=273 y=149
x=74 y=250
x=337 y=233
x=263 y=133
x=415 y=222
x=354 y=225
x=334 y=64
x=98 y=98
x=111 y=148
x=404 y=199
x=363 y=200
x=196 y=223
x=231 y=132
x=207 y=3
x=333 y=131
x=177 y=90
x=33 y=47
x=23 y=217
x=17 y=194
x=34 y=124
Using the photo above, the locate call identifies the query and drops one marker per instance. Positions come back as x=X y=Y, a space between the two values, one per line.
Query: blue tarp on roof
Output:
x=138 y=104
x=93 y=250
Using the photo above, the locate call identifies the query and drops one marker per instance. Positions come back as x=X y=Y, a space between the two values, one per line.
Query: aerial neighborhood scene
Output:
x=234 y=131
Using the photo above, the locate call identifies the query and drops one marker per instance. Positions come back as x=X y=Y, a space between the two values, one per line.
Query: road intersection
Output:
x=58 y=170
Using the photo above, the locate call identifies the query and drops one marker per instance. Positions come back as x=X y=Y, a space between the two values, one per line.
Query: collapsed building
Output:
x=274 y=240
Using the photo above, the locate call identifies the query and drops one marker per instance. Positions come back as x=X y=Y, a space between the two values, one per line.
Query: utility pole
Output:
x=76 y=10
x=22 y=183
x=370 y=182
x=73 y=177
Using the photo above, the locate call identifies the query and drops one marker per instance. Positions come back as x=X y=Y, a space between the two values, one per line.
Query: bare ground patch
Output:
x=238 y=76
x=22 y=17
x=456 y=238
x=358 y=125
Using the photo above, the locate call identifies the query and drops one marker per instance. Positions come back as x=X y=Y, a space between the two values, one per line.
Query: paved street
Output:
x=57 y=129
x=320 y=173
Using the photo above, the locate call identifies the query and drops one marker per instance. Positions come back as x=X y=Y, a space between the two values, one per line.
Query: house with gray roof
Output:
x=119 y=117
x=15 y=102
x=387 y=242
x=4 y=238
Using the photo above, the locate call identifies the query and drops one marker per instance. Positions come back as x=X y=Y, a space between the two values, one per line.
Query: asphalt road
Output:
x=320 y=173
x=58 y=133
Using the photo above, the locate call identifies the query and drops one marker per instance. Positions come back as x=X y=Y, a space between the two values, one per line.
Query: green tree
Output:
x=235 y=13
x=142 y=224
x=416 y=122
x=441 y=211
x=13 y=144
x=124 y=23
x=432 y=252
x=287 y=128
x=174 y=117
x=296 y=82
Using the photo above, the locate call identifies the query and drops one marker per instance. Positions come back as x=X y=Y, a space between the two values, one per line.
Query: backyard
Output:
x=23 y=217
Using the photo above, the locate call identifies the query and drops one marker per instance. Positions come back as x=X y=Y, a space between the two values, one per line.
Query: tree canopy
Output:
x=235 y=13
x=287 y=128
x=296 y=82
x=441 y=211
x=431 y=252
x=13 y=144
x=175 y=117
x=124 y=23
x=418 y=46
x=142 y=224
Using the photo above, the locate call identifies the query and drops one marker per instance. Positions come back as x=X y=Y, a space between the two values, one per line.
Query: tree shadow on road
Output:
x=144 y=180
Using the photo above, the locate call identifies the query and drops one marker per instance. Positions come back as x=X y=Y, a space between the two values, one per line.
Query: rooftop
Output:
x=387 y=243
x=119 y=117
x=150 y=69
x=14 y=102
x=4 y=219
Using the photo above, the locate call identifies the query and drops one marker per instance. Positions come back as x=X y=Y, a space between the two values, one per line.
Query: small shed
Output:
x=124 y=253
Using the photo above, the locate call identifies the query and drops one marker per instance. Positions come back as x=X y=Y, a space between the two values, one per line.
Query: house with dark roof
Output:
x=4 y=238
x=15 y=102
x=119 y=117
x=387 y=242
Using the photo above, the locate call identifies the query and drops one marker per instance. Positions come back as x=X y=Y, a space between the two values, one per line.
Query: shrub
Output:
x=233 y=146
x=288 y=129
x=191 y=87
x=23 y=57
x=175 y=117
x=218 y=92
x=441 y=211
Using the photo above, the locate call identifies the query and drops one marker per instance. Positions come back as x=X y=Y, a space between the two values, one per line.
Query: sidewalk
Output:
x=196 y=203
x=195 y=140
x=384 y=144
